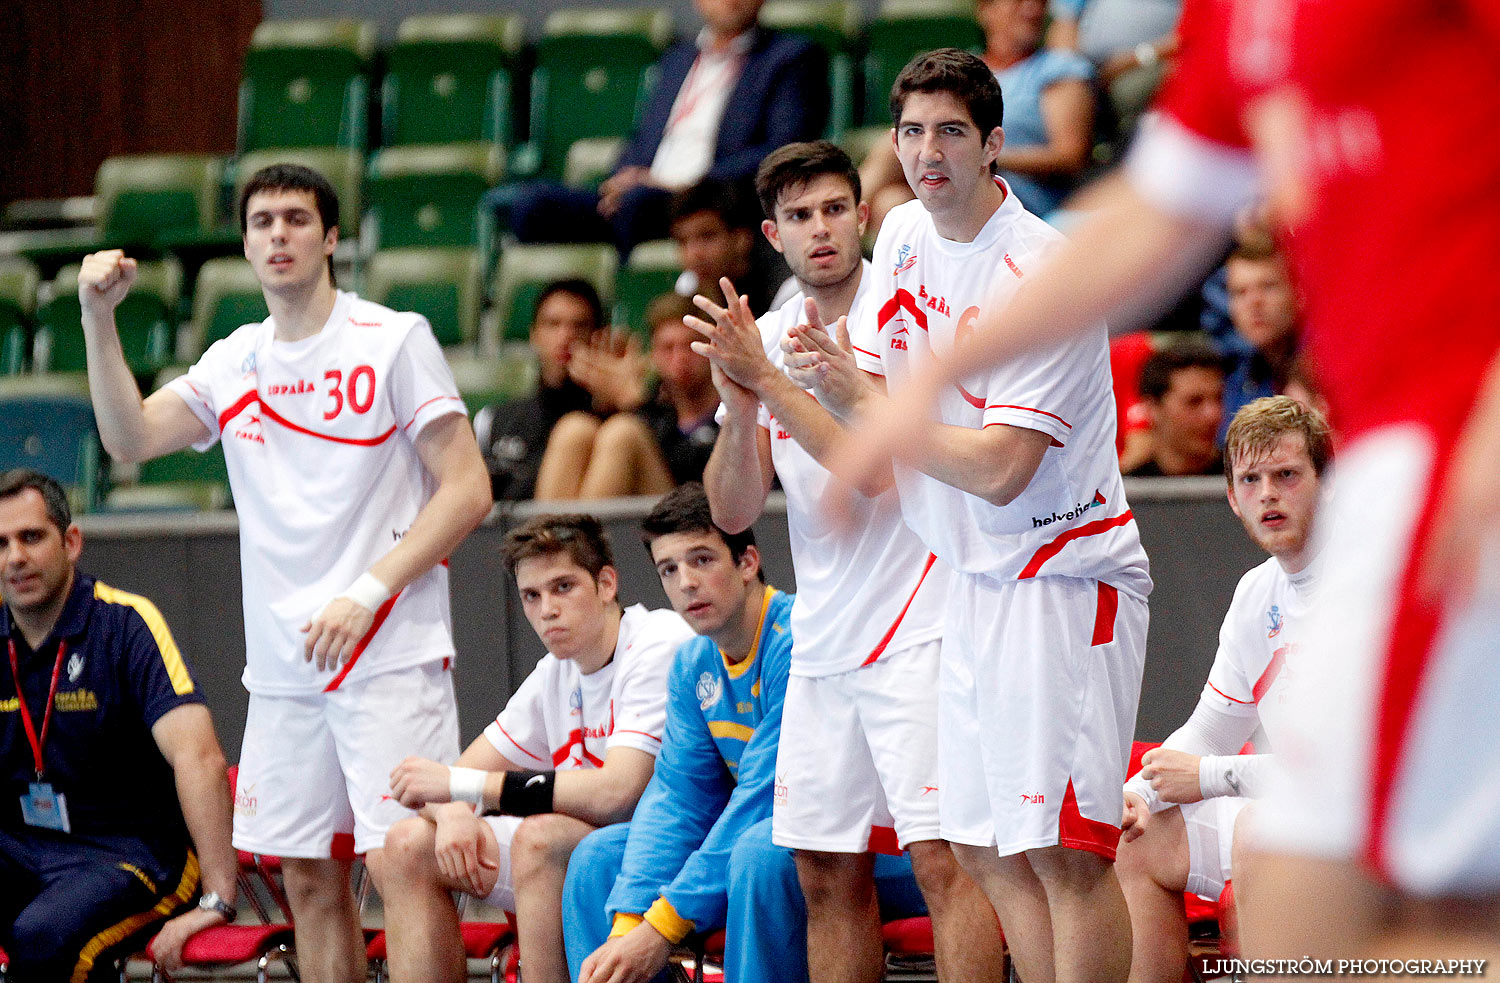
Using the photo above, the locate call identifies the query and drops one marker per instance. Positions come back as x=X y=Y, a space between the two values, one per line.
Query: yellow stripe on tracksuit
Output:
x=728 y=728
x=120 y=931
x=182 y=683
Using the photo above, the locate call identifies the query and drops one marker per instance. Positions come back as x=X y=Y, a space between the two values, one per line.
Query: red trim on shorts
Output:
x=516 y=744
x=883 y=840
x=1079 y=833
x=427 y=404
x=890 y=633
x=1268 y=678
x=381 y=613
x=1055 y=547
x=253 y=396
x=1029 y=409
x=1408 y=654
x=1104 y=616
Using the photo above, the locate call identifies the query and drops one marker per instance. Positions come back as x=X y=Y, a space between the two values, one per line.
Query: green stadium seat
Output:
x=429 y=195
x=226 y=296
x=146 y=320
x=591 y=160
x=486 y=379
x=593 y=68
x=47 y=424
x=443 y=285
x=306 y=84
x=343 y=167
x=19 y=279
x=902 y=29
x=833 y=25
x=157 y=201
x=523 y=270
x=449 y=79
x=651 y=270
x=858 y=143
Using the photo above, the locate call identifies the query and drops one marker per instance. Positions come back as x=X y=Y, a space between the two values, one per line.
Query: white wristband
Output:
x=368 y=592
x=1217 y=777
x=466 y=784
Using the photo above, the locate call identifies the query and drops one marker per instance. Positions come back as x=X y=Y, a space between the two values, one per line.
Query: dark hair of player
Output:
x=1162 y=364
x=789 y=169
x=574 y=287
x=1260 y=424
x=581 y=537
x=686 y=509
x=18 y=480
x=293 y=177
x=960 y=74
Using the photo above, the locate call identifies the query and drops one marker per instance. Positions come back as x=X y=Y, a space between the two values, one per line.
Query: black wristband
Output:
x=526 y=793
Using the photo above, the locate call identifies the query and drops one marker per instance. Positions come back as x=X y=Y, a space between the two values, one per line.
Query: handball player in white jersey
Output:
x=857 y=765
x=1019 y=491
x=1184 y=809
x=572 y=751
x=355 y=474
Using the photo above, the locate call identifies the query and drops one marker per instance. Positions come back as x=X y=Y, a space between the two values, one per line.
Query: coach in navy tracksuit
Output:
x=114 y=807
x=722 y=102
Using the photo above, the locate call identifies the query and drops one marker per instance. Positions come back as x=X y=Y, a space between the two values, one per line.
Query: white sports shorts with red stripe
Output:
x=1392 y=750
x=318 y=765
x=1037 y=696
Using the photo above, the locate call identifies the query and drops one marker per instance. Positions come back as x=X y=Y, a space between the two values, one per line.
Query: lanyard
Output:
x=693 y=88
x=37 y=743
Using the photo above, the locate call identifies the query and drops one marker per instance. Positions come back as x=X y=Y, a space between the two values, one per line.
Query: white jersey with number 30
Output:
x=318 y=436
x=1072 y=519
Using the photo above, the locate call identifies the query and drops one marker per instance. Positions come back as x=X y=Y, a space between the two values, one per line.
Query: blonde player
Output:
x=355 y=473
x=1018 y=490
x=857 y=766
x=1184 y=809
x=572 y=750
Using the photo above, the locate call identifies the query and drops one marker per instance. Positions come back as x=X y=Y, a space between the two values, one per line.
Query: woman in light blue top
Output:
x=1049 y=113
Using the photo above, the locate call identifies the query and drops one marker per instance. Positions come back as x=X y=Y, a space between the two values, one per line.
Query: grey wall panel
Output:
x=190 y=568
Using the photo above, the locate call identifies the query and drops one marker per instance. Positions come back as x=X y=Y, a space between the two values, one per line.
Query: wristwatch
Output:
x=212 y=902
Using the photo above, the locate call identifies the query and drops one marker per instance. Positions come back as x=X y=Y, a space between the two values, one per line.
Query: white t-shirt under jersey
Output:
x=319 y=438
x=1072 y=519
x=561 y=718
x=867 y=588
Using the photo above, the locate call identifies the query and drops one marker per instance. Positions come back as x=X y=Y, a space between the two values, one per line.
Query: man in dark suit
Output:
x=723 y=101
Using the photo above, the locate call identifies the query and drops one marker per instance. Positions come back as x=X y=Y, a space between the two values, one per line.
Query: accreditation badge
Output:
x=45 y=808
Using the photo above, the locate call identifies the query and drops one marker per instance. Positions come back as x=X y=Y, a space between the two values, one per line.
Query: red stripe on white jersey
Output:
x=425 y=405
x=890 y=633
x=516 y=744
x=1055 y=547
x=874 y=355
x=253 y=396
x=903 y=299
x=1029 y=409
x=381 y=613
x=1243 y=703
x=1267 y=678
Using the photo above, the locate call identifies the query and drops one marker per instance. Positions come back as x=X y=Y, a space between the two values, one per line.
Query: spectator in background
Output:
x=512 y=435
x=1048 y=117
x=778 y=86
x=660 y=438
x=1182 y=392
x=716 y=235
x=1267 y=315
x=1130 y=42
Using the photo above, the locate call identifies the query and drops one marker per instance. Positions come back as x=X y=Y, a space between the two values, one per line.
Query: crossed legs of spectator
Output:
x=586 y=458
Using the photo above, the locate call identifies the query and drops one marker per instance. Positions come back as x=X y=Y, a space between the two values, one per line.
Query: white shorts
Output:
x=856 y=768
x=1392 y=755
x=1037 y=699
x=503 y=895
x=313 y=766
x=1210 y=836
